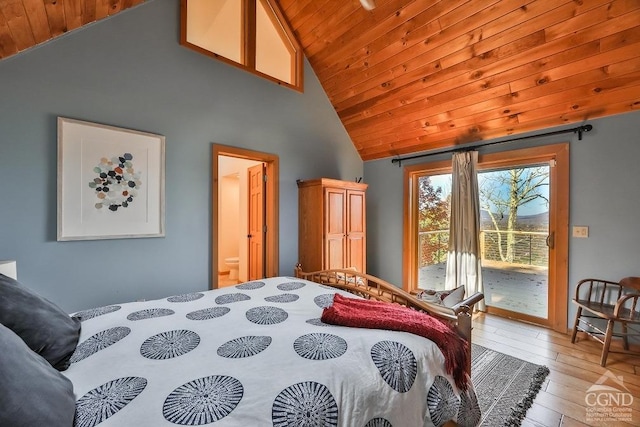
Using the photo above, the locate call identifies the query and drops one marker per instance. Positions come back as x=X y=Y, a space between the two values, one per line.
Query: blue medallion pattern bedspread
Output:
x=255 y=354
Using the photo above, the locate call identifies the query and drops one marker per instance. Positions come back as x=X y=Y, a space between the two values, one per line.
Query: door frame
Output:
x=558 y=221
x=271 y=244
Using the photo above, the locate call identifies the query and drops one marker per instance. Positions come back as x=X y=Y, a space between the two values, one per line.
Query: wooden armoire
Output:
x=331 y=225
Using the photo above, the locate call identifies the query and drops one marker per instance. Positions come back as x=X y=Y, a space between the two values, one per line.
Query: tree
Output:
x=433 y=215
x=503 y=192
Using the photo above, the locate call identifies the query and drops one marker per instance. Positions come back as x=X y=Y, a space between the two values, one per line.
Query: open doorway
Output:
x=244 y=215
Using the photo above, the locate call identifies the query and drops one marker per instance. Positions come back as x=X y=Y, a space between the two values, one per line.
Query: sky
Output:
x=535 y=207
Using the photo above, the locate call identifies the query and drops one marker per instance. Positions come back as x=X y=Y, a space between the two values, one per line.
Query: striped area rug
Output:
x=505 y=386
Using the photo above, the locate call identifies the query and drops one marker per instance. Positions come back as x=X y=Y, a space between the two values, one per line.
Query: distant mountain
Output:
x=536 y=222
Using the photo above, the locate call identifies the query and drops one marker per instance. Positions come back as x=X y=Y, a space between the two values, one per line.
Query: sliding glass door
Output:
x=514 y=219
x=524 y=227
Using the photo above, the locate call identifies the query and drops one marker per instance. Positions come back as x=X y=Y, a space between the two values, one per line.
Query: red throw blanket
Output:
x=361 y=313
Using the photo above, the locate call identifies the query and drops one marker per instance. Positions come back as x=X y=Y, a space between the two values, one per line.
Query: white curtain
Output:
x=463 y=260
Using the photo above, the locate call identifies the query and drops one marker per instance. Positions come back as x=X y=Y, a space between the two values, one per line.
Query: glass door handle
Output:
x=551 y=240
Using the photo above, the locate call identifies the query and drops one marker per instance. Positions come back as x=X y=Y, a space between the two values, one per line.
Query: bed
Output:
x=457 y=314
x=258 y=354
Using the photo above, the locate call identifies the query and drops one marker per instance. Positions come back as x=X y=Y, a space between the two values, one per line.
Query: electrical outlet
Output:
x=581 y=231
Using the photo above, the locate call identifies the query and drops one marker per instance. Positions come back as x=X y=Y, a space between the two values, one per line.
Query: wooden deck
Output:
x=574 y=369
x=518 y=288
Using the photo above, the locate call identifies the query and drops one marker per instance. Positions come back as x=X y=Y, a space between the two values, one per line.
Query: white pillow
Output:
x=447 y=298
x=456 y=296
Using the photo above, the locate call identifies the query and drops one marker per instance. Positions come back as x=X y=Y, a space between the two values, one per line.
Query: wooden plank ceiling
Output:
x=418 y=75
x=26 y=23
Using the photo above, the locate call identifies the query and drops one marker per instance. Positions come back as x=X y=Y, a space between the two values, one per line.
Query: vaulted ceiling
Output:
x=425 y=74
x=418 y=75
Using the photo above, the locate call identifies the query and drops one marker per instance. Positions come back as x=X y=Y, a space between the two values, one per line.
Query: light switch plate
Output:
x=581 y=231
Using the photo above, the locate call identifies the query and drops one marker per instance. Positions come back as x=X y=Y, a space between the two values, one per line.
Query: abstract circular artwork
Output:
x=250 y=285
x=396 y=363
x=170 y=344
x=116 y=183
x=469 y=412
x=231 y=298
x=208 y=313
x=185 y=297
x=150 y=313
x=243 y=347
x=104 y=401
x=203 y=401
x=282 y=298
x=324 y=300
x=305 y=404
x=378 y=422
x=320 y=346
x=442 y=401
x=266 y=315
x=95 y=312
x=291 y=286
x=98 y=342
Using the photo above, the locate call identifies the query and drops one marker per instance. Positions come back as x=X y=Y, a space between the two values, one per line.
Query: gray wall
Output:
x=130 y=71
x=604 y=195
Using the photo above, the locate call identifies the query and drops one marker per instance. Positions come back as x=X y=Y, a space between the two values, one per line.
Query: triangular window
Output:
x=250 y=34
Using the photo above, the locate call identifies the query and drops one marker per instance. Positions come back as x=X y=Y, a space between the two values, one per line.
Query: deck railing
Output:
x=529 y=247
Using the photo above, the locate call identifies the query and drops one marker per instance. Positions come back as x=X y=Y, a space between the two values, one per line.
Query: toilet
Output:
x=233 y=263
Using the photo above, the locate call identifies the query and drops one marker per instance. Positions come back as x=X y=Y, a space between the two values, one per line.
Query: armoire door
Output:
x=356 y=223
x=335 y=228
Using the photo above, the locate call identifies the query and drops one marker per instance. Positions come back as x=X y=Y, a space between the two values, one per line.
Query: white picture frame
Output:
x=111 y=182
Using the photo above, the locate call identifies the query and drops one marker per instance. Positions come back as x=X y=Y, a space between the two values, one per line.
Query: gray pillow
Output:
x=42 y=325
x=32 y=392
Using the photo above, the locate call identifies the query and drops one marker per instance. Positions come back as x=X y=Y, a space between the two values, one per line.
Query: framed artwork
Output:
x=110 y=182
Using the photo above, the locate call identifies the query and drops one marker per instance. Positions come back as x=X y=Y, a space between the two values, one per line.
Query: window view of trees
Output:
x=514 y=216
x=514 y=205
x=433 y=221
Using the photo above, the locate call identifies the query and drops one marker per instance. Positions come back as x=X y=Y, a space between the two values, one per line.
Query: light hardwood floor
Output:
x=224 y=281
x=574 y=369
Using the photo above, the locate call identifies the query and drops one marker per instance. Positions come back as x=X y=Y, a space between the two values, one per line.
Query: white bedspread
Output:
x=256 y=355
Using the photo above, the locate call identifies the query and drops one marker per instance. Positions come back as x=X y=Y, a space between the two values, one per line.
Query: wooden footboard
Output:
x=371 y=287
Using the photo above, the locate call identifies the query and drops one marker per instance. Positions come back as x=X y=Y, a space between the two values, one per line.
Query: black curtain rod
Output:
x=579 y=130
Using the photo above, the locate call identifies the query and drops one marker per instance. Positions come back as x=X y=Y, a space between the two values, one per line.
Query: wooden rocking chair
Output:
x=613 y=302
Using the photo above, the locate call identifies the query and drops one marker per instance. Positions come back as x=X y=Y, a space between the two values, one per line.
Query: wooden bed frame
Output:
x=371 y=287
